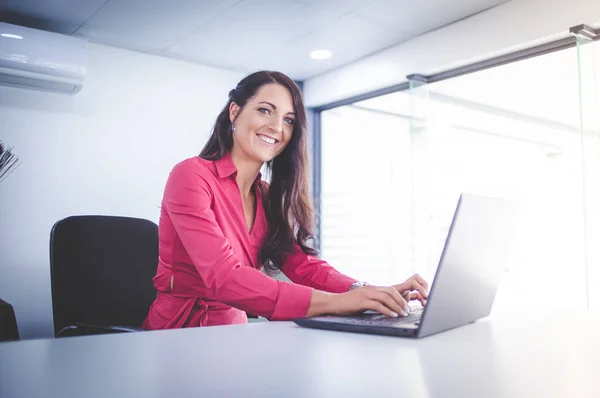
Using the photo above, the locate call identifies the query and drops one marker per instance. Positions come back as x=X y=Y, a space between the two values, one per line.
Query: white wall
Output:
x=511 y=26
x=106 y=150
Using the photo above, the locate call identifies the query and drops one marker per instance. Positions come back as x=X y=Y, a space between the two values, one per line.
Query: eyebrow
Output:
x=274 y=107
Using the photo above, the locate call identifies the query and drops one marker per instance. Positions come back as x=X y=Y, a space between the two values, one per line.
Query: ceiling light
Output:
x=320 y=54
x=11 y=36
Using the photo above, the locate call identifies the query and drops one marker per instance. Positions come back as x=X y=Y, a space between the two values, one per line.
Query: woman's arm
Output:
x=332 y=295
x=187 y=201
x=308 y=270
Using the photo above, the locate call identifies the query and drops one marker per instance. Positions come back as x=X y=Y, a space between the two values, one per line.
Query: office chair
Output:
x=8 y=322
x=101 y=270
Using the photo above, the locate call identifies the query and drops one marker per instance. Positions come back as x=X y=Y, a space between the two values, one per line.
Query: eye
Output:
x=265 y=111
x=290 y=121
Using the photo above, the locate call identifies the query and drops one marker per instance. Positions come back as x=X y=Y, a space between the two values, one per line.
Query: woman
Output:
x=220 y=224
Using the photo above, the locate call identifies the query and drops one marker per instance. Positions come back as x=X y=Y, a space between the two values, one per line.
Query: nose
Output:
x=276 y=125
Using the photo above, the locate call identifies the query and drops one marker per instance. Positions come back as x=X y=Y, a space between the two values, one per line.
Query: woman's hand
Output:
x=414 y=288
x=391 y=301
x=385 y=300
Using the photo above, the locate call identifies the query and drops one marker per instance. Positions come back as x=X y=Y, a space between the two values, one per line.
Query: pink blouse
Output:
x=204 y=245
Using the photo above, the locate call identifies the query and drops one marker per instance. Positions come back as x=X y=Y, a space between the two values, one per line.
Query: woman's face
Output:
x=264 y=127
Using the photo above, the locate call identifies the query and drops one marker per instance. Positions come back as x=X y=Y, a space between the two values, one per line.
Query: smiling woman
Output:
x=265 y=122
x=221 y=224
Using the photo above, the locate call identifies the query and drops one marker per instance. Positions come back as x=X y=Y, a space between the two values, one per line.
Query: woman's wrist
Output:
x=320 y=303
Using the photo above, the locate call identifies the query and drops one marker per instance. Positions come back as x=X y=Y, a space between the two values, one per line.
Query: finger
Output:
x=414 y=285
x=382 y=309
x=403 y=288
x=407 y=287
x=399 y=298
x=412 y=296
x=417 y=296
x=406 y=295
x=385 y=298
x=421 y=281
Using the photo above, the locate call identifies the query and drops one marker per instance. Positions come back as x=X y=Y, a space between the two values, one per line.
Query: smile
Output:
x=267 y=140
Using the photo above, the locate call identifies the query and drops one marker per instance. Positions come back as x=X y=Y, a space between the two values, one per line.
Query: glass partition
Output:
x=512 y=132
x=365 y=171
x=590 y=150
x=393 y=168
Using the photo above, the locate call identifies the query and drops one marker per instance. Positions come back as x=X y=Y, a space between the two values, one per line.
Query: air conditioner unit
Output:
x=39 y=60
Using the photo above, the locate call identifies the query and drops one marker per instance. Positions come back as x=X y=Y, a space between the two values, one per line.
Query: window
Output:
x=393 y=167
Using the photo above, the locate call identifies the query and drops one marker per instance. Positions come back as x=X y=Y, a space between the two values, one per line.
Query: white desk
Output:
x=491 y=358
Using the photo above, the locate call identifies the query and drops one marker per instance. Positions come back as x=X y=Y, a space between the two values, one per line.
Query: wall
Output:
x=106 y=150
x=511 y=26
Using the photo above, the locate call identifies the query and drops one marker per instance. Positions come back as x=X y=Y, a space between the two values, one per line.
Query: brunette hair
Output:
x=288 y=207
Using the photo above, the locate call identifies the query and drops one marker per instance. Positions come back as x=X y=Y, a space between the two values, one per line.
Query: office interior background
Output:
x=418 y=103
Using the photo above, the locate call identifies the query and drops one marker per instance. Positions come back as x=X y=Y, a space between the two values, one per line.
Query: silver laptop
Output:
x=479 y=243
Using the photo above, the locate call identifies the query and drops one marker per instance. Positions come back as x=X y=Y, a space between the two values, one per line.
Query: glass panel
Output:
x=365 y=166
x=425 y=249
x=394 y=166
x=590 y=148
x=510 y=131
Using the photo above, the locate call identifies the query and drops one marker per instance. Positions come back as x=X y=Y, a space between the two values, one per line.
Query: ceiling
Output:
x=245 y=35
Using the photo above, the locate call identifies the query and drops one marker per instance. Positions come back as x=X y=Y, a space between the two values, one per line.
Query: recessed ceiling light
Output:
x=11 y=36
x=320 y=54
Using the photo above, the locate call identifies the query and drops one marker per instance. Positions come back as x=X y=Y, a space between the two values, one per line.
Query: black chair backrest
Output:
x=101 y=270
x=8 y=322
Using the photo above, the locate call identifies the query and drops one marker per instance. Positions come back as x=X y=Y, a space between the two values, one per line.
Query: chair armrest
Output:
x=255 y=318
x=68 y=331
x=82 y=329
x=121 y=329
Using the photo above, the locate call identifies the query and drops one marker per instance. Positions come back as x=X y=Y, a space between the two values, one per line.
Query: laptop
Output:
x=475 y=255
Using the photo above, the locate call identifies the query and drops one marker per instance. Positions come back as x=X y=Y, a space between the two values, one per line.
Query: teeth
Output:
x=267 y=139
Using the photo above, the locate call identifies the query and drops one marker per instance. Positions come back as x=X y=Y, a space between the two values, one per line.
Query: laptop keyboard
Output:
x=376 y=319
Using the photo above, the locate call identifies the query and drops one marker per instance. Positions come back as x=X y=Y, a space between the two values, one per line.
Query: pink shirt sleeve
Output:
x=187 y=200
x=309 y=270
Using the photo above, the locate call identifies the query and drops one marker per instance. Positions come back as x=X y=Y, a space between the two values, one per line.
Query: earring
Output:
x=232 y=127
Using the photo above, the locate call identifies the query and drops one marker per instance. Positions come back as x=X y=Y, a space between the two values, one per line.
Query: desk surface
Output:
x=532 y=357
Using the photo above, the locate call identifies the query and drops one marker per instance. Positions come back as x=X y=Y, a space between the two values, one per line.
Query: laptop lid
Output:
x=479 y=243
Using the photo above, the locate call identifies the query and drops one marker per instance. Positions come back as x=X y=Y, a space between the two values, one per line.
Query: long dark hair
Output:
x=289 y=211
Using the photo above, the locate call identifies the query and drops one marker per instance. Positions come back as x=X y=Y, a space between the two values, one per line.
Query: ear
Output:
x=233 y=111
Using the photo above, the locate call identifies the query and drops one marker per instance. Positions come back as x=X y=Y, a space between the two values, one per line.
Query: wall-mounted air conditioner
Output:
x=40 y=60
